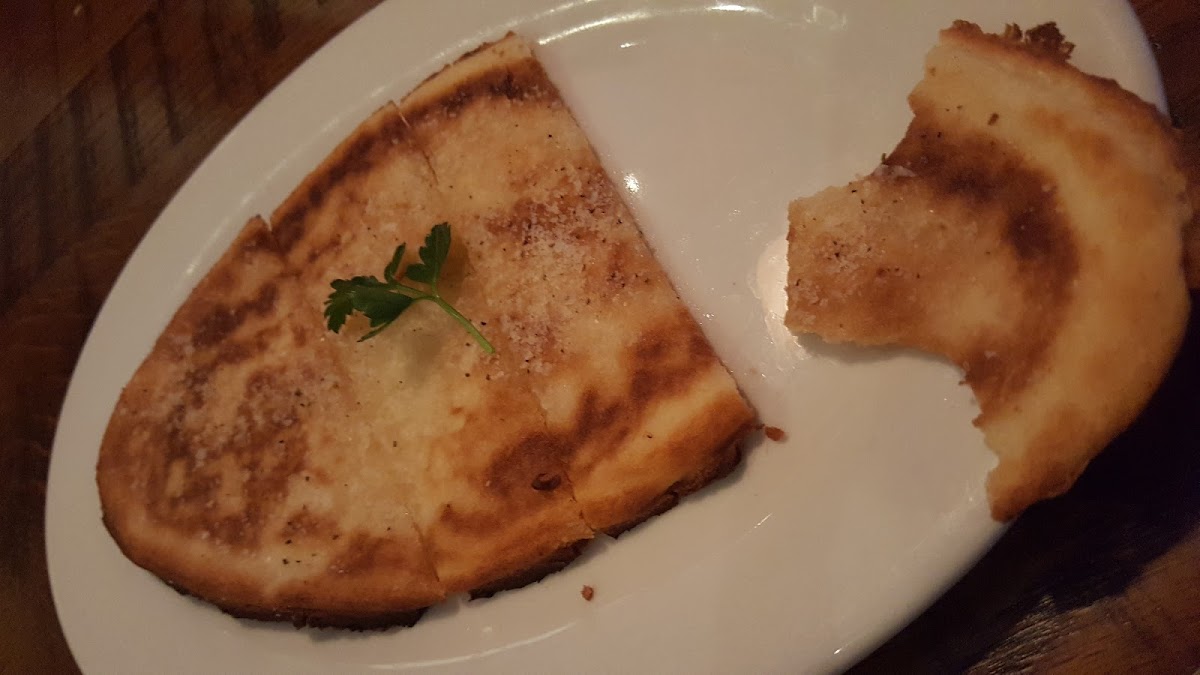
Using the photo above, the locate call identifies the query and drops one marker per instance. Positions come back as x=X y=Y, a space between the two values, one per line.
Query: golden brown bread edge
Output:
x=975 y=247
x=1046 y=44
x=1045 y=47
x=348 y=158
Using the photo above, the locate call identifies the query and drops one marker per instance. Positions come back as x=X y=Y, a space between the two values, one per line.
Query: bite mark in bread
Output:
x=1029 y=227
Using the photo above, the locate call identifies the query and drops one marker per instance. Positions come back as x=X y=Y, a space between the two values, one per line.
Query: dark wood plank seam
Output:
x=267 y=23
x=126 y=111
x=7 y=292
x=86 y=297
x=210 y=23
x=84 y=158
x=44 y=181
x=163 y=72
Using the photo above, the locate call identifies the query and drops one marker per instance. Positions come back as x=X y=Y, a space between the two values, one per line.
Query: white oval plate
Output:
x=712 y=116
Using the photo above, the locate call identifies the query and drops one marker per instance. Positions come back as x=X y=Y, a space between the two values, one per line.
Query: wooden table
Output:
x=107 y=107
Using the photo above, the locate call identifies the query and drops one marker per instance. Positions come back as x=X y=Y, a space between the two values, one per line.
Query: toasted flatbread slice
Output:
x=1028 y=227
x=633 y=393
x=233 y=470
x=471 y=439
x=414 y=465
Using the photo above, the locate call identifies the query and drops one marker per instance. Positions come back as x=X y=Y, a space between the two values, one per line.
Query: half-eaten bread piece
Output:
x=1029 y=227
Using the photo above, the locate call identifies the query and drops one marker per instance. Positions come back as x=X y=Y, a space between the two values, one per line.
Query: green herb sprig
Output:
x=383 y=301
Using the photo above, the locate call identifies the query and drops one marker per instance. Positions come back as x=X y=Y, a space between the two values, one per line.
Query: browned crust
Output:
x=318 y=618
x=1044 y=40
x=534 y=572
x=976 y=172
x=504 y=69
x=541 y=543
x=702 y=452
x=712 y=446
x=202 y=587
x=726 y=461
x=1044 y=49
x=1047 y=472
x=366 y=147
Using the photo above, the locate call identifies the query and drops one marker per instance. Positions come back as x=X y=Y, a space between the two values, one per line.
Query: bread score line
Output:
x=1030 y=227
x=284 y=472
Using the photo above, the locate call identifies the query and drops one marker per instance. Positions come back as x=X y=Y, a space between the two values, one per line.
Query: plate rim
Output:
x=883 y=629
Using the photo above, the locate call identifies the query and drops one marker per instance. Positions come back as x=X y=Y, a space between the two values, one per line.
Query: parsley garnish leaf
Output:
x=383 y=301
x=389 y=272
x=339 y=305
x=432 y=254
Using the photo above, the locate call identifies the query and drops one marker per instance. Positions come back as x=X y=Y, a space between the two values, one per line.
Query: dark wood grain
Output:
x=108 y=107
x=77 y=191
x=28 y=78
